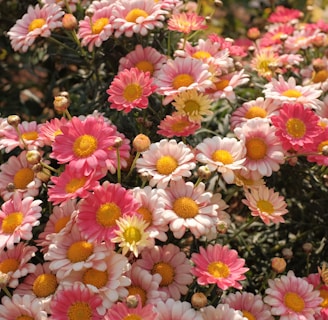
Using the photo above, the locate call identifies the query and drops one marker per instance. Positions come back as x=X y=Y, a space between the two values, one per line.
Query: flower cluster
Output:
x=100 y=222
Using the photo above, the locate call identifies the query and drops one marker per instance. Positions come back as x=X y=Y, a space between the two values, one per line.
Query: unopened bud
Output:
x=61 y=103
x=287 y=253
x=283 y=37
x=253 y=33
x=118 y=142
x=307 y=247
x=14 y=120
x=4 y=279
x=33 y=156
x=325 y=151
x=198 y=300
x=141 y=143
x=132 y=301
x=10 y=187
x=204 y=172
x=69 y=21
x=278 y=265
x=44 y=175
x=89 y=12
x=218 y=3
x=318 y=64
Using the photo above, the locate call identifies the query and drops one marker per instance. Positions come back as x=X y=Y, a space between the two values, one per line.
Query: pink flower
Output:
x=222 y=312
x=282 y=14
x=186 y=22
x=130 y=89
x=220 y=265
x=36 y=22
x=50 y=129
x=319 y=145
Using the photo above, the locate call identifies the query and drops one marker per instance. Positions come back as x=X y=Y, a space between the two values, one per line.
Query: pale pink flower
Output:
x=186 y=22
x=303 y=39
x=173 y=5
x=272 y=37
x=282 y=14
x=50 y=129
x=221 y=312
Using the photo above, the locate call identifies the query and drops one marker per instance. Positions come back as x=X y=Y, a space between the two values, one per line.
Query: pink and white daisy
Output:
x=15 y=263
x=266 y=204
x=221 y=312
x=291 y=297
x=38 y=21
x=172 y=265
x=165 y=161
x=17 y=218
x=130 y=89
x=304 y=39
x=177 y=126
x=62 y=3
x=289 y=91
x=251 y=305
x=220 y=265
x=188 y=207
x=101 y=209
x=74 y=300
x=264 y=153
x=50 y=129
x=223 y=155
x=296 y=126
x=262 y=61
x=137 y=16
x=186 y=22
x=272 y=37
x=282 y=14
x=22 y=307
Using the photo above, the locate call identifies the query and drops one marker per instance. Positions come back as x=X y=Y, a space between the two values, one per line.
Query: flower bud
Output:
x=118 y=142
x=4 y=279
x=198 y=300
x=44 y=175
x=141 y=143
x=325 y=151
x=61 y=102
x=10 y=187
x=253 y=33
x=33 y=156
x=204 y=172
x=307 y=247
x=132 y=301
x=14 y=120
x=278 y=265
x=69 y=21
x=287 y=253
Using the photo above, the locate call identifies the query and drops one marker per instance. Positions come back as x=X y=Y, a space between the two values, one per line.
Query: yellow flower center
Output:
x=11 y=222
x=179 y=126
x=95 y=277
x=132 y=92
x=166 y=271
x=107 y=214
x=201 y=55
x=322 y=145
x=166 y=165
x=324 y=296
x=291 y=93
x=132 y=317
x=32 y=135
x=185 y=207
x=191 y=107
x=135 y=290
x=134 y=14
x=248 y=315
x=295 y=128
x=9 y=265
x=256 y=148
x=75 y=184
x=146 y=214
x=45 y=285
x=223 y=156
x=320 y=76
x=254 y=112
x=132 y=235
x=220 y=85
x=265 y=206
x=24 y=317
x=218 y=269
x=36 y=24
x=85 y=145
x=23 y=177
x=61 y=223
x=145 y=66
x=79 y=311
x=182 y=80
x=294 y=302
x=99 y=25
x=79 y=251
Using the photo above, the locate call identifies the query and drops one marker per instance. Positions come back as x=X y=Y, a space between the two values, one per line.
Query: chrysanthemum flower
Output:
x=15 y=263
x=263 y=61
x=74 y=301
x=186 y=22
x=282 y=14
x=218 y=264
x=222 y=312
x=17 y=218
x=223 y=155
x=165 y=161
x=130 y=89
x=272 y=37
x=132 y=235
x=266 y=204
x=50 y=129
x=264 y=153
x=62 y=3
x=172 y=265
x=21 y=307
x=292 y=297
x=36 y=22
x=251 y=305
x=177 y=126
x=137 y=16
x=296 y=126
x=101 y=209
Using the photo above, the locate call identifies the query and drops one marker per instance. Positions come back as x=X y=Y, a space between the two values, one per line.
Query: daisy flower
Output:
x=182 y=74
x=177 y=126
x=263 y=61
x=18 y=177
x=21 y=307
x=282 y=14
x=17 y=218
x=264 y=153
x=101 y=209
x=132 y=235
x=73 y=301
x=130 y=89
x=296 y=126
x=289 y=91
x=50 y=129
x=165 y=161
x=251 y=305
x=266 y=204
x=137 y=16
x=292 y=297
x=172 y=265
x=222 y=312
x=186 y=22
x=223 y=155
x=188 y=207
x=220 y=265
x=62 y=3
x=193 y=104
x=273 y=36
x=304 y=39
x=14 y=262
x=144 y=59
x=36 y=22
x=319 y=145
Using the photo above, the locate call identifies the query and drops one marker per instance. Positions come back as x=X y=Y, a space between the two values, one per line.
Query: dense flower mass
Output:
x=181 y=174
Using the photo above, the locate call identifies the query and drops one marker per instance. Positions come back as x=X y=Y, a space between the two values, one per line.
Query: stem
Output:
x=118 y=165
x=67 y=114
x=240 y=230
x=199 y=180
x=133 y=163
x=54 y=40
x=6 y=291
x=49 y=167
x=20 y=137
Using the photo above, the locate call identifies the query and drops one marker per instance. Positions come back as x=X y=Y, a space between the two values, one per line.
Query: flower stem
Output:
x=118 y=165
x=133 y=163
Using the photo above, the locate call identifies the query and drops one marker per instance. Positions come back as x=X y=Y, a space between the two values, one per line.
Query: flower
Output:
x=221 y=312
x=290 y=296
x=282 y=14
x=220 y=265
x=320 y=144
x=50 y=129
x=186 y=22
